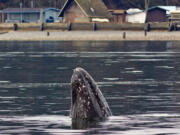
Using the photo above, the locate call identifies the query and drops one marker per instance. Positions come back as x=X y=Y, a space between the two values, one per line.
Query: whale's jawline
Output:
x=87 y=100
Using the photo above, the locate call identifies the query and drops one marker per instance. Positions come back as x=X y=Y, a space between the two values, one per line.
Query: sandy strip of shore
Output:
x=88 y=35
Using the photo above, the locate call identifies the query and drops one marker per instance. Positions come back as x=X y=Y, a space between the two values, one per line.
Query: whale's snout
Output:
x=87 y=99
x=77 y=76
x=78 y=69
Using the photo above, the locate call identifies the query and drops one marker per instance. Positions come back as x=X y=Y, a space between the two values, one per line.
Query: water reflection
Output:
x=139 y=79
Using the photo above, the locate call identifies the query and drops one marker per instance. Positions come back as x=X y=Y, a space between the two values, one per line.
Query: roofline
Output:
x=59 y=15
x=16 y=12
x=81 y=8
x=135 y=13
x=51 y=8
x=22 y=11
x=174 y=12
x=62 y=10
x=151 y=8
x=97 y=17
x=65 y=4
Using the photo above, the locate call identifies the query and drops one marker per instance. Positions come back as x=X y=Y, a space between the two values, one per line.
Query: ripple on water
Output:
x=111 y=79
x=142 y=102
x=164 y=67
x=39 y=123
x=150 y=124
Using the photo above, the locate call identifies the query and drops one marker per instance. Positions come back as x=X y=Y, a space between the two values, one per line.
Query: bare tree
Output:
x=55 y=3
x=167 y=2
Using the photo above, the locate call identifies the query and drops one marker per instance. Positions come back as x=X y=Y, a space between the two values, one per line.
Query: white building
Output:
x=26 y=15
x=135 y=15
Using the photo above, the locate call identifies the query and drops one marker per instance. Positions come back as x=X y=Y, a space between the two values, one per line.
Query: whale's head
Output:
x=87 y=99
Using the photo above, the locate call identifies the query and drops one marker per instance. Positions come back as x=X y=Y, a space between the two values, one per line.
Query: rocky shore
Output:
x=88 y=35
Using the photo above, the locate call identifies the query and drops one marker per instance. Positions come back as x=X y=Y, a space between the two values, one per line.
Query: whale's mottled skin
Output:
x=87 y=100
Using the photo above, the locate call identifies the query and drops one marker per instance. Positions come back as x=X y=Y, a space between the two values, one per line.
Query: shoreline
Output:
x=89 y=36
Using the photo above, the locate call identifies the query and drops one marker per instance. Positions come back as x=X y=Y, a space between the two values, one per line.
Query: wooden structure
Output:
x=83 y=11
x=118 y=16
x=175 y=16
x=156 y=14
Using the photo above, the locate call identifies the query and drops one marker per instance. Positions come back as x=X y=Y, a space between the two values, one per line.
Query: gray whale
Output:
x=87 y=100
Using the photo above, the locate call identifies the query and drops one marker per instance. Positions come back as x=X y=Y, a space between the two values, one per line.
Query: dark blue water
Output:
x=140 y=80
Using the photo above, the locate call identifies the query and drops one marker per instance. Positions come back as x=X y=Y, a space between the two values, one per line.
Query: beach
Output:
x=88 y=35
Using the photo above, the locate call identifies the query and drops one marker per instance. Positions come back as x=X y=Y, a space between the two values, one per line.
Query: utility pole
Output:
x=146 y=9
x=21 y=6
x=55 y=5
x=32 y=4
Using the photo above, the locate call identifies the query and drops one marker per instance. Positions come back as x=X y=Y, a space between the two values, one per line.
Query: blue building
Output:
x=26 y=15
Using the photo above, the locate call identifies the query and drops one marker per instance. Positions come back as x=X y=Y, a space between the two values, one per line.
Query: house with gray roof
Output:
x=156 y=14
x=84 y=11
x=168 y=9
x=26 y=15
x=160 y=13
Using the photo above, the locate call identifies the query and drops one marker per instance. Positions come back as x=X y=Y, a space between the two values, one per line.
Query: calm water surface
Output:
x=140 y=80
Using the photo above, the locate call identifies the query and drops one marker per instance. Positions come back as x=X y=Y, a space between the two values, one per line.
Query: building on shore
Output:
x=175 y=16
x=118 y=15
x=135 y=15
x=169 y=9
x=156 y=14
x=83 y=11
x=27 y=15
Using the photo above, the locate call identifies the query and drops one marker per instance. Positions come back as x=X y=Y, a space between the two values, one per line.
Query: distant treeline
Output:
x=126 y=4
x=121 y=4
x=27 y=3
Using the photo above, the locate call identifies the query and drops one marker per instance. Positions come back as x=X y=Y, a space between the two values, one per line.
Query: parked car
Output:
x=50 y=20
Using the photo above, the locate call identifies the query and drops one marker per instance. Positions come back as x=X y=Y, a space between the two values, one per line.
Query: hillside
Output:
x=125 y=4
